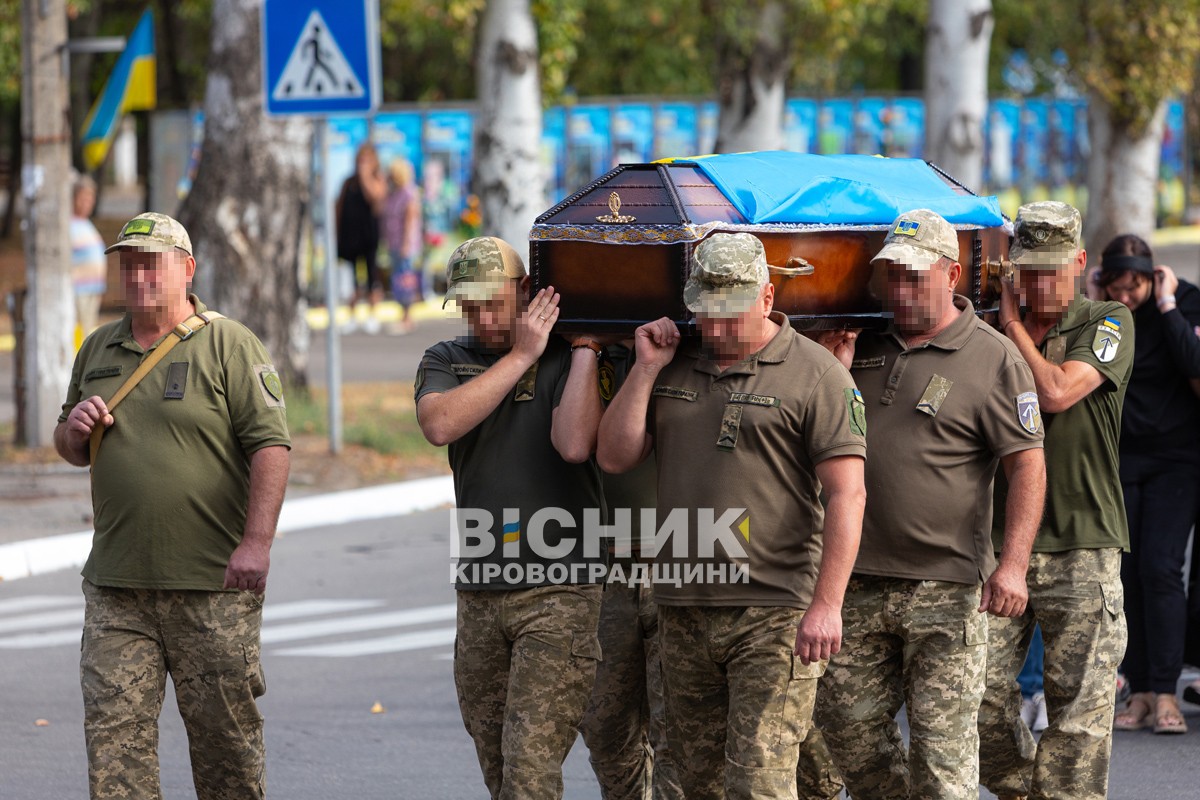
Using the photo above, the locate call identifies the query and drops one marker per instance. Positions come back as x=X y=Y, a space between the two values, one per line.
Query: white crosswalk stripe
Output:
x=14 y=605
x=53 y=621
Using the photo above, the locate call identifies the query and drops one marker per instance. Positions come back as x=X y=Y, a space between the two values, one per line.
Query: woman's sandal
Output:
x=1168 y=718
x=1138 y=714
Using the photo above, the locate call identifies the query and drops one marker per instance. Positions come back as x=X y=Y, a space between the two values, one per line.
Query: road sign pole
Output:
x=321 y=57
x=333 y=343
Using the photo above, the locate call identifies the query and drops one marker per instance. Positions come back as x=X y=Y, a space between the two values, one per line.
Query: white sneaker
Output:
x=1040 y=721
x=372 y=326
x=1028 y=711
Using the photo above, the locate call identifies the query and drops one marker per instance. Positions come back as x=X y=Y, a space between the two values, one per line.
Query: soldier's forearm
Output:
x=268 y=482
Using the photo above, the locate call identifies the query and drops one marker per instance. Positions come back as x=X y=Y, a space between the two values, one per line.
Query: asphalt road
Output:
x=356 y=615
x=383 y=633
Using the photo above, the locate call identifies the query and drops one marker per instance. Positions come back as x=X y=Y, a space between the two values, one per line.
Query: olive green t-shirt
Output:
x=749 y=437
x=1085 y=508
x=507 y=469
x=941 y=416
x=170 y=484
x=633 y=491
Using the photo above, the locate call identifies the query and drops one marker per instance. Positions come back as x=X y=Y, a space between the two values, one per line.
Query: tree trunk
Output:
x=49 y=312
x=508 y=174
x=957 y=41
x=752 y=87
x=1122 y=178
x=170 y=51
x=247 y=206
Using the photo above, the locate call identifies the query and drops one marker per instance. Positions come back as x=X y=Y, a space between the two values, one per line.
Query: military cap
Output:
x=480 y=267
x=918 y=239
x=728 y=273
x=152 y=233
x=1046 y=235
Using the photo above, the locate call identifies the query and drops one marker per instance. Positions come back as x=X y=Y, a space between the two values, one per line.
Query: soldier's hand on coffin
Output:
x=655 y=343
x=533 y=329
x=602 y=339
x=840 y=343
x=1010 y=303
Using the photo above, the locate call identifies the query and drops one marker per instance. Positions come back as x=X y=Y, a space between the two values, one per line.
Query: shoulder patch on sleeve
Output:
x=858 y=412
x=1107 y=340
x=269 y=385
x=1029 y=414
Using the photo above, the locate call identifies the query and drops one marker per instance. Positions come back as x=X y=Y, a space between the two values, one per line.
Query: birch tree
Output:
x=248 y=203
x=751 y=84
x=958 y=36
x=759 y=46
x=508 y=174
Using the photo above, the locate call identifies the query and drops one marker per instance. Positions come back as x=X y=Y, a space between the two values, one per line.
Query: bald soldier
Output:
x=747 y=429
x=948 y=400
x=1081 y=354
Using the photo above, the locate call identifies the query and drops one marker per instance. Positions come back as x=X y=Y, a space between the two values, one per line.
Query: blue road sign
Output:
x=320 y=56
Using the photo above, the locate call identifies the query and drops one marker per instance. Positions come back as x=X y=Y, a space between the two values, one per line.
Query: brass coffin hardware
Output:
x=795 y=266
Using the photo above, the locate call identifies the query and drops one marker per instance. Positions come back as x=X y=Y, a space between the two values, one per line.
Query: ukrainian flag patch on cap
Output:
x=907 y=227
x=138 y=227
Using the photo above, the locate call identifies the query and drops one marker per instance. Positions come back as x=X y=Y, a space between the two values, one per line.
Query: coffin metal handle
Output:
x=795 y=266
x=994 y=272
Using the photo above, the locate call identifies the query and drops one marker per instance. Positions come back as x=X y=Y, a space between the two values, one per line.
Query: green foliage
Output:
x=849 y=45
x=655 y=47
x=428 y=49
x=559 y=29
x=1131 y=53
x=1136 y=53
x=10 y=49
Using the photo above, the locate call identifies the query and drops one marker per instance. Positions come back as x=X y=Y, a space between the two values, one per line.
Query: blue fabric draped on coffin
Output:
x=786 y=187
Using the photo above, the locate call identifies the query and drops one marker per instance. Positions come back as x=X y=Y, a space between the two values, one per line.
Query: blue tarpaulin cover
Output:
x=786 y=187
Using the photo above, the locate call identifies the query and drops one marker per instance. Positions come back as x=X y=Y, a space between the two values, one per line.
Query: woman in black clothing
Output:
x=1160 y=473
x=356 y=217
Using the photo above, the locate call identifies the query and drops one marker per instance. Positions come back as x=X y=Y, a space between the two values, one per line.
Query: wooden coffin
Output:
x=619 y=251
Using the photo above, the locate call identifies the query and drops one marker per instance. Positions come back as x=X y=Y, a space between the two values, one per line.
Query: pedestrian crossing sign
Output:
x=320 y=57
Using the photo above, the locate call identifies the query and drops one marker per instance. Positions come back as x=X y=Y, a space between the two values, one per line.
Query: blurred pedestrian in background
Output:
x=402 y=233
x=89 y=265
x=357 y=215
x=1160 y=474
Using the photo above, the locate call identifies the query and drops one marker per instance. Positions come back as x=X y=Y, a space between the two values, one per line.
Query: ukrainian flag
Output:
x=131 y=87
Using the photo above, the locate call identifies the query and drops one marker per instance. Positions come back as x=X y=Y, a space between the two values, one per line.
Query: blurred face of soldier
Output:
x=919 y=298
x=1131 y=289
x=155 y=282
x=1048 y=291
x=733 y=337
x=493 y=322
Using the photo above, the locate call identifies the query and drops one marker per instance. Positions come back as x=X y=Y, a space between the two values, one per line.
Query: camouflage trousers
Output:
x=921 y=644
x=738 y=702
x=209 y=644
x=1078 y=600
x=817 y=778
x=524 y=664
x=623 y=727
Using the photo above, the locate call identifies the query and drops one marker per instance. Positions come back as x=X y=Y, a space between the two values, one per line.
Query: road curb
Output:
x=31 y=557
